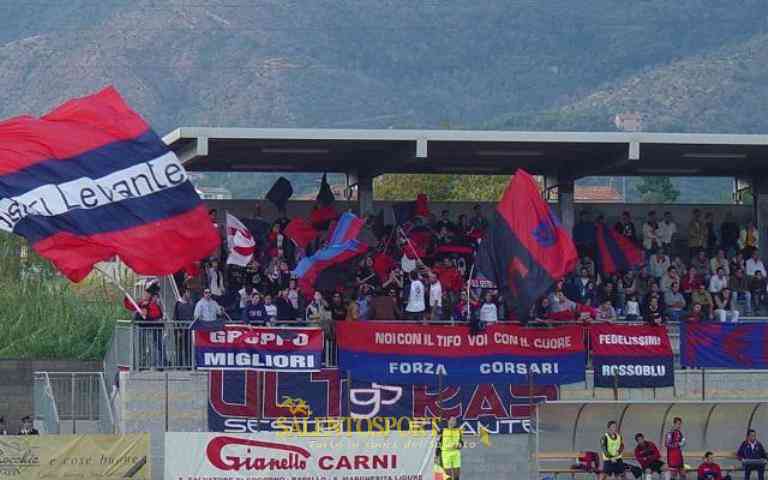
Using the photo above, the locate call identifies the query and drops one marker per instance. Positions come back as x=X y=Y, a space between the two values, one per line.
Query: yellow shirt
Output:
x=451 y=439
x=613 y=445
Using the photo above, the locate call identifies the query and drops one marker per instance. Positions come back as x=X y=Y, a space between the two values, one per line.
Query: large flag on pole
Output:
x=342 y=247
x=526 y=249
x=240 y=242
x=90 y=181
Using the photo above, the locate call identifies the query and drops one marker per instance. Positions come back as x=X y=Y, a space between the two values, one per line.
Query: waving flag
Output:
x=240 y=242
x=300 y=231
x=91 y=180
x=615 y=252
x=342 y=248
x=526 y=249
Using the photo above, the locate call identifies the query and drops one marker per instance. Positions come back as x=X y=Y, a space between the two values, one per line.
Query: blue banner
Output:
x=723 y=345
x=243 y=347
x=631 y=356
x=267 y=401
x=442 y=355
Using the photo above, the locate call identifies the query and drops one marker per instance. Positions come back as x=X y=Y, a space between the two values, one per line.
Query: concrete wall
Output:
x=16 y=380
x=612 y=211
x=141 y=408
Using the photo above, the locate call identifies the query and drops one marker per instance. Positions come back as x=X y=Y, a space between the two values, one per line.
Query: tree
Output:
x=441 y=188
x=658 y=190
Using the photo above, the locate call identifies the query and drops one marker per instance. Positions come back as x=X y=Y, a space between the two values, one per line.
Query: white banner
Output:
x=271 y=455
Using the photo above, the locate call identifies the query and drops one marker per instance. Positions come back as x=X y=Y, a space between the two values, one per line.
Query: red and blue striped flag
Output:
x=342 y=247
x=615 y=252
x=90 y=181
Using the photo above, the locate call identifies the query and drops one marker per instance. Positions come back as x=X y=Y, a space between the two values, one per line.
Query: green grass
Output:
x=44 y=316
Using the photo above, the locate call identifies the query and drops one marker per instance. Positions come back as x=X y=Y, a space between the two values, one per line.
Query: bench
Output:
x=561 y=463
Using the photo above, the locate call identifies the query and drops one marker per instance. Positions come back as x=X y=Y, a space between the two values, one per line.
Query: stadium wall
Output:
x=141 y=407
x=16 y=384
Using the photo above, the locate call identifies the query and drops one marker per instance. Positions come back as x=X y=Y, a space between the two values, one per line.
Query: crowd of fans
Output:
x=419 y=271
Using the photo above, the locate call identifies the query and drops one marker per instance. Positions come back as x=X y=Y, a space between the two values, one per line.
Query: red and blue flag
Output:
x=615 y=252
x=526 y=249
x=90 y=181
x=342 y=247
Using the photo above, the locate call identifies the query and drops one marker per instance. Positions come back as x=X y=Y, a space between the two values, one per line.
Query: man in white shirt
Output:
x=488 y=311
x=651 y=232
x=415 y=306
x=667 y=231
x=658 y=265
x=435 y=298
x=207 y=310
x=754 y=264
x=718 y=282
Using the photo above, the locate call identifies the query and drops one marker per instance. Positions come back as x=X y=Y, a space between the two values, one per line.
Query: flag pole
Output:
x=408 y=240
x=114 y=282
x=469 y=281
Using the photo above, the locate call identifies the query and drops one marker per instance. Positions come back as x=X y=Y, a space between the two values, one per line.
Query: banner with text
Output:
x=722 y=345
x=247 y=402
x=432 y=355
x=631 y=356
x=98 y=457
x=242 y=347
x=273 y=455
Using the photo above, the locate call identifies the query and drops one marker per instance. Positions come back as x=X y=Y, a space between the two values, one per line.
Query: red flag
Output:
x=300 y=231
x=526 y=249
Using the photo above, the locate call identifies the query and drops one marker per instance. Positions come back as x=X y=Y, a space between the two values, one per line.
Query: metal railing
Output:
x=170 y=346
x=46 y=413
x=72 y=397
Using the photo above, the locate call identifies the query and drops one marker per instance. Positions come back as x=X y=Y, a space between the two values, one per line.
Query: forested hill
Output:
x=688 y=65
x=391 y=63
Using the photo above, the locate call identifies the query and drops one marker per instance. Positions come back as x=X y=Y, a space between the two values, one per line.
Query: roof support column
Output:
x=760 y=195
x=363 y=184
x=565 y=189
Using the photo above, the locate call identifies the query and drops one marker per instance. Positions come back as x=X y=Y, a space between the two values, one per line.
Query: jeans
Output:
x=760 y=469
x=744 y=300
x=725 y=315
x=675 y=315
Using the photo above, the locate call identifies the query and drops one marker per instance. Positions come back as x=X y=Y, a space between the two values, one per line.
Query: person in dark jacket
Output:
x=285 y=310
x=183 y=315
x=254 y=312
x=752 y=455
x=729 y=233
x=27 y=427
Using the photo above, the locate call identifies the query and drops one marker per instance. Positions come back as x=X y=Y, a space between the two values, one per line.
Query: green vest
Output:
x=612 y=445
x=451 y=439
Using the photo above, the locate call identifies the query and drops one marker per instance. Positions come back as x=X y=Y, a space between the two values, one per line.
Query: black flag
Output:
x=325 y=195
x=280 y=192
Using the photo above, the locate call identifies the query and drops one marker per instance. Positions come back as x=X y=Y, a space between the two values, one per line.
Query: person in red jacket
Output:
x=649 y=458
x=709 y=470
x=675 y=441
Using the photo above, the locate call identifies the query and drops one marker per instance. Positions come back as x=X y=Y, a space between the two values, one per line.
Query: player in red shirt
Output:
x=674 y=442
x=709 y=470
x=649 y=458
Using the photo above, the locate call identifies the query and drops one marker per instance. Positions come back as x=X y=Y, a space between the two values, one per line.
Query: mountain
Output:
x=517 y=64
